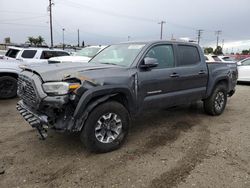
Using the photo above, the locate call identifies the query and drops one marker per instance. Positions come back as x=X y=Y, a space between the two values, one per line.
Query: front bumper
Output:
x=36 y=120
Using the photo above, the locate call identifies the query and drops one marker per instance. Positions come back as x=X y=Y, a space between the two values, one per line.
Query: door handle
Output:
x=202 y=72
x=174 y=75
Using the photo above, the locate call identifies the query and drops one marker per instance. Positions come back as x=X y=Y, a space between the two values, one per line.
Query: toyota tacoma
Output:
x=99 y=98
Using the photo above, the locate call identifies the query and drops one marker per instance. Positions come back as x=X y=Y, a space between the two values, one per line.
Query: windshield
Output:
x=88 y=52
x=120 y=54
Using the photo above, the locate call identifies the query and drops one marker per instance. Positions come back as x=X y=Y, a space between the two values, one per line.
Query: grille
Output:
x=26 y=91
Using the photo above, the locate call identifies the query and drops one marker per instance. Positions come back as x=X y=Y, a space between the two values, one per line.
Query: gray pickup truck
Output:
x=99 y=98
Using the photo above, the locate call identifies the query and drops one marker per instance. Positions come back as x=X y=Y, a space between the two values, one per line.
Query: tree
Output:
x=40 y=40
x=218 y=51
x=208 y=50
x=36 y=41
x=245 y=52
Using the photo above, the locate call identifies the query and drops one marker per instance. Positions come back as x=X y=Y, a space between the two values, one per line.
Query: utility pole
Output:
x=50 y=18
x=78 y=38
x=161 y=23
x=223 y=42
x=63 y=38
x=218 y=33
x=199 y=32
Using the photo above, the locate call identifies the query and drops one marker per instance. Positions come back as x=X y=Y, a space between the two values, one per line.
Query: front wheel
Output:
x=216 y=103
x=8 y=87
x=106 y=127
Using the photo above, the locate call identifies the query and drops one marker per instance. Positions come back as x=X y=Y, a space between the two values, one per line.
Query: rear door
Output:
x=192 y=73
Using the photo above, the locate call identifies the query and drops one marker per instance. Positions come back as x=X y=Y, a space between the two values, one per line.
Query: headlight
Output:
x=59 y=88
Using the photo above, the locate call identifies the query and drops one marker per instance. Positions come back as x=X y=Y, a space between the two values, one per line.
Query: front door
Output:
x=155 y=84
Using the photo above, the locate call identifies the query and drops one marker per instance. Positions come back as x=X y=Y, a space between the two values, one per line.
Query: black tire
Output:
x=213 y=105
x=8 y=87
x=89 y=133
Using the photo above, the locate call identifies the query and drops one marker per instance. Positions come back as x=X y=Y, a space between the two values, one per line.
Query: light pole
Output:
x=63 y=38
x=161 y=23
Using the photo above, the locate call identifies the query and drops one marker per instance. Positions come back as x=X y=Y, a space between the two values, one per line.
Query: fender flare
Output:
x=215 y=82
x=102 y=94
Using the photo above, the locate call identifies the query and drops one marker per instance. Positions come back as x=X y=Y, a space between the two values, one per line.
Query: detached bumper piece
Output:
x=37 y=121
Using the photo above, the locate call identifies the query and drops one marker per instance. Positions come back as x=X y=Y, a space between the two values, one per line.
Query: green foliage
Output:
x=36 y=41
x=218 y=51
x=208 y=50
x=245 y=52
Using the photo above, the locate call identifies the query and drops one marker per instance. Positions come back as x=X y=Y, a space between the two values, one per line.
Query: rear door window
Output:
x=216 y=58
x=29 y=54
x=12 y=53
x=60 y=53
x=188 y=55
x=50 y=54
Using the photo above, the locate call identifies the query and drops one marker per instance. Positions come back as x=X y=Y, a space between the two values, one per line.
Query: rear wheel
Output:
x=216 y=103
x=8 y=87
x=106 y=127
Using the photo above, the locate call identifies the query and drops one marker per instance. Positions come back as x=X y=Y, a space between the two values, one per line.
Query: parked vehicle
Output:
x=33 y=55
x=81 y=56
x=212 y=58
x=226 y=59
x=244 y=70
x=2 y=53
x=99 y=98
x=9 y=71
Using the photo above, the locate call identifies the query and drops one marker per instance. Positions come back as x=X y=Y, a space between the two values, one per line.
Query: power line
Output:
x=20 y=24
x=25 y=18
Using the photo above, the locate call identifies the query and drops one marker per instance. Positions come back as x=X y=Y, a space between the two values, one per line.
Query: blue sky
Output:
x=112 y=21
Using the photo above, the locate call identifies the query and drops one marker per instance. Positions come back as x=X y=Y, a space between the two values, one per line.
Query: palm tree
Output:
x=36 y=41
x=40 y=40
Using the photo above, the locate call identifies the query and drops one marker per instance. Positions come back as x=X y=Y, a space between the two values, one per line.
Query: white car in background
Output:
x=33 y=55
x=9 y=70
x=244 y=70
x=212 y=58
x=2 y=53
x=226 y=59
x=81 y=56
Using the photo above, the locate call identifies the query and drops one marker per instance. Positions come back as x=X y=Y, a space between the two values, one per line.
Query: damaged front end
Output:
x=47 y=105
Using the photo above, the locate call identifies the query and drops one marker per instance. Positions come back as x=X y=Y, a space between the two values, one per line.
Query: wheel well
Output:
x=14 y=75
x=119 y=97
x=225 y=82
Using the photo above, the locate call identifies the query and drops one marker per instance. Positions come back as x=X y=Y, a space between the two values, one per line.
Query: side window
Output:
x=246 y=63
x=164 y=55
x=216 y=58
x=60 y=53
x=188 y=55
x=49 y=54
x=29 y=54
x=12 y=53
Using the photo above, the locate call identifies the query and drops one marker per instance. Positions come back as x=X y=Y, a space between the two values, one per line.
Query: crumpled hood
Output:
x=82 y=71
x=65 y=59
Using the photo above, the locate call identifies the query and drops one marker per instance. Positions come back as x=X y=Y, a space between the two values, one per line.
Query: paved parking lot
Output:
x=181 y=147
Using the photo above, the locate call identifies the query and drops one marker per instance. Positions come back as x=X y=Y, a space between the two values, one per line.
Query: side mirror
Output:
x=239 y=63
x=149 y=62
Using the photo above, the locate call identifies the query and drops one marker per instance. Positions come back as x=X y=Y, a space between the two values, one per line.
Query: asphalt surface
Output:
x=180 y=147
